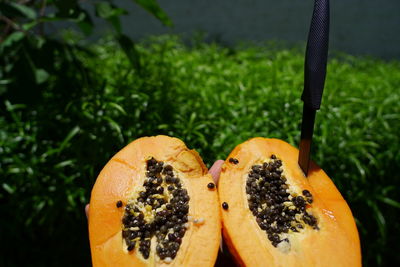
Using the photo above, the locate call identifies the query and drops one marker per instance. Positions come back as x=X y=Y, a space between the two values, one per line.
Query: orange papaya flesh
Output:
x=151 y=205
x=275 y=216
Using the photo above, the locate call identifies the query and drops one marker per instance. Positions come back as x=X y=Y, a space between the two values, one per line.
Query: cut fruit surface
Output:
x=275 y=216
x=152 y=205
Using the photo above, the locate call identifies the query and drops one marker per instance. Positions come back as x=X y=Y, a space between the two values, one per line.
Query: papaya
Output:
x=154 y=204
x=273 y=215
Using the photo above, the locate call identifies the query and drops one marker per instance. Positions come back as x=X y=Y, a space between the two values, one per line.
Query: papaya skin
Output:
x=126 y=171
x=336 y=243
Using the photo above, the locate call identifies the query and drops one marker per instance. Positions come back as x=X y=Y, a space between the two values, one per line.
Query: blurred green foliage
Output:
x=30 y=42
x=211 y=97
x=67 y=107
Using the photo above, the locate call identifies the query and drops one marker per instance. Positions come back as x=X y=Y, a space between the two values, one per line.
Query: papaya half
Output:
x=154 y=204
x=275 y=216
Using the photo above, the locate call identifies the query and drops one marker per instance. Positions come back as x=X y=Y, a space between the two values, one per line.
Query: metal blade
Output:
x=307 y=130
x=314 y=77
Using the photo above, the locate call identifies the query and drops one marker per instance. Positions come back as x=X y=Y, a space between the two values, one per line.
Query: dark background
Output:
x=358 y=27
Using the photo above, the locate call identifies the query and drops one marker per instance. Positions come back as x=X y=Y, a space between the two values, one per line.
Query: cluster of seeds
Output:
x=160 y=210
x=277 y=211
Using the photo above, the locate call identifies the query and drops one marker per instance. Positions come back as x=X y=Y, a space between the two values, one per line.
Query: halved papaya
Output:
x=153 y=204
x=275 y=216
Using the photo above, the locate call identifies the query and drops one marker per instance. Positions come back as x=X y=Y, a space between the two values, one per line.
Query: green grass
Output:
x=211 y=97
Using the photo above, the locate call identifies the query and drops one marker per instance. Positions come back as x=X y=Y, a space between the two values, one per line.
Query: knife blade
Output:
x=314 y=77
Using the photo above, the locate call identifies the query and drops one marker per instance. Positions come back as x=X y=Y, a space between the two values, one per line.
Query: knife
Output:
x=314 y=77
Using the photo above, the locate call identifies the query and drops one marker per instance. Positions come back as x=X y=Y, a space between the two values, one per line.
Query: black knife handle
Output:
x=316 y=55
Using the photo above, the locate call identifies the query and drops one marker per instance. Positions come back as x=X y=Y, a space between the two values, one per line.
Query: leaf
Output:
x=389 y=201
x=64 y=163
x=128 y=46
x=117 y=107
x=5 y=82
x=11 y=40
x=41 y=76
x=14 y=9
x=71 y=201
x=103 y=10
x=40 y=206
x=8 y=188
x=116 y=127
x=110 y=13
x=380 y=219
x=113 y=124
x=28 y=26
x=359 y=166
x=70 y=135
x=106 y=10
x=11 y=107
x=153 y=8
x=387 y=189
